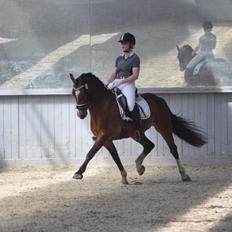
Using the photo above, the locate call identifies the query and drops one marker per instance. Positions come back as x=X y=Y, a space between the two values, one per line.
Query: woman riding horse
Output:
x=126 y=71
x=204 y=49
x=107 y=125
x=212 y=71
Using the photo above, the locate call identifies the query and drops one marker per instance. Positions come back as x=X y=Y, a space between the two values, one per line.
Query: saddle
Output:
x=123 y=106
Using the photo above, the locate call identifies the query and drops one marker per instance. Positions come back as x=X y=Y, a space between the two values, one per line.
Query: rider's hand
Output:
x=115 y=83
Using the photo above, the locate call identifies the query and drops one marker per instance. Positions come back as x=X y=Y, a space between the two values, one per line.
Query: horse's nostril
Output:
x=82 y=115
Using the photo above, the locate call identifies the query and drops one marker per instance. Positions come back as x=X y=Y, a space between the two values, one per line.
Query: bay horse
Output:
x=212 y=73
x=106 y=124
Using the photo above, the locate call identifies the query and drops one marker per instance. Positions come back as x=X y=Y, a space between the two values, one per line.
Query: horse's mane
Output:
x=187 y=47
x=91 y=78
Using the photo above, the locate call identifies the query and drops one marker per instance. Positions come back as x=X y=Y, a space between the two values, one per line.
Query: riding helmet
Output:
x=207 y=25
x=127 y=38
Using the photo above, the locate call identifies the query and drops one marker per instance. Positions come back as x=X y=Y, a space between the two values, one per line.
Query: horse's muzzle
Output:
x=81 y=114
x=182 y=69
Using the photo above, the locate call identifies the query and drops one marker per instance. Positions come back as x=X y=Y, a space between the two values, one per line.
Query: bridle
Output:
x=82 y=106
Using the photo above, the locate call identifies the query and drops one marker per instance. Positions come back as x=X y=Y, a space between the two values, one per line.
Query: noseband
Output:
x=82 y=106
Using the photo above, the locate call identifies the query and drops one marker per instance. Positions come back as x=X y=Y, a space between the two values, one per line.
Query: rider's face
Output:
x=125 y=47
x=207 y=29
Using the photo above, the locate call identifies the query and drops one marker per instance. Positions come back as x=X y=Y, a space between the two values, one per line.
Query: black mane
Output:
x=187 y=47
x=91 y=78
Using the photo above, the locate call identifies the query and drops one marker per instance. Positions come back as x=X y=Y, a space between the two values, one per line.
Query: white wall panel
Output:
x=210 y=124
x=10 y=127
x=2 y=147
x=229 y=117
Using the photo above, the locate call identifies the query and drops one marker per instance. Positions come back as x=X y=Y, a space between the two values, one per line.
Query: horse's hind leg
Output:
x=111 y=148
x=173 y=149
x=147 y=147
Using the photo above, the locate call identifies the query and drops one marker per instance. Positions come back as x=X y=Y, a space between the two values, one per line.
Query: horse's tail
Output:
x=187 y=130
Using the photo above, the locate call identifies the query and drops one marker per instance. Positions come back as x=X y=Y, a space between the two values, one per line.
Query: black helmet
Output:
x=127 y=38
x=207 y=25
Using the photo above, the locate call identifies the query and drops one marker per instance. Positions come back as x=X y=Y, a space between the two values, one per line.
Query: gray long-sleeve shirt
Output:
x=207 y=42
x=125 y=65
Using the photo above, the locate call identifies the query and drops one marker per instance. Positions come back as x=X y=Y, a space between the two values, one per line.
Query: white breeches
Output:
x=128 y=89
x=198 y=58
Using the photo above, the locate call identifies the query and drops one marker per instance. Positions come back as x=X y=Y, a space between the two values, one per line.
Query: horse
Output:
x=92 y=96
x=213 y=72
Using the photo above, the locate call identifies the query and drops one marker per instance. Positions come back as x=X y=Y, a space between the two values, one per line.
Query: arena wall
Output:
x=43 y=129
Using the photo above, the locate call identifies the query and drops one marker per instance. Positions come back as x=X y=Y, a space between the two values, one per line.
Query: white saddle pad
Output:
x=198 y=67
x=144 y=109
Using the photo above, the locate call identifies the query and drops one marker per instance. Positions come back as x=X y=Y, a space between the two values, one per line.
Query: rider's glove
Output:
x=115 y=83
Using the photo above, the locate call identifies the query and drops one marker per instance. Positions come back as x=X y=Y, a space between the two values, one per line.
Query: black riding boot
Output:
x=135 y=115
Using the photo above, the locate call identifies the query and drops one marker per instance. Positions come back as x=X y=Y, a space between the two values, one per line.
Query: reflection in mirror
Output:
x=39 y=49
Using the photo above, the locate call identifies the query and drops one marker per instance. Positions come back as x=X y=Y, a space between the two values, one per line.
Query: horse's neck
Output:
x=98 y=96
x=190 y=58
x=189 y=53
x=98 y=107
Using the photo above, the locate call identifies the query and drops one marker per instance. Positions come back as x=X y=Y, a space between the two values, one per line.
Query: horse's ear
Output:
x=72 y=78
x=178 y=48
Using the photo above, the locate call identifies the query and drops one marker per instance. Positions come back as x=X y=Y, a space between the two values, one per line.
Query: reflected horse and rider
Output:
x=200 y=66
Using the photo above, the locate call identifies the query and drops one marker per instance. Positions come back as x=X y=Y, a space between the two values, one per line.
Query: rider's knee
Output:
x=189 y=67
x=131 y=106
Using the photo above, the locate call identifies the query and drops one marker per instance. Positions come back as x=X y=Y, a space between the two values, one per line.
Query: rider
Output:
x=205 y=47
x=124 y=75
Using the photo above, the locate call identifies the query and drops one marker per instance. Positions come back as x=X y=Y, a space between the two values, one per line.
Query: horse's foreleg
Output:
x=147 y=147
x=111 y=148
x=97 y=145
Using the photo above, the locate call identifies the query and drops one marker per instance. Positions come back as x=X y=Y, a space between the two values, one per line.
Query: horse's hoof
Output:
x=141 y=170
x=125 y=182
x=77 y=176
x=186 y=178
